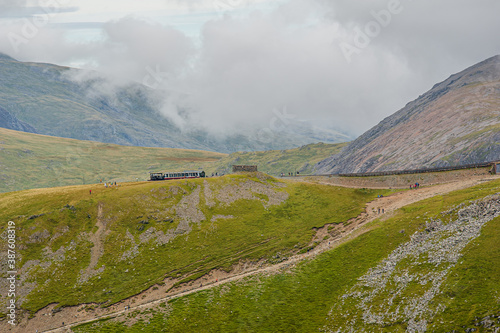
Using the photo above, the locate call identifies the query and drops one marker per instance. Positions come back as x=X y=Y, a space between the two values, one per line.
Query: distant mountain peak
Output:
x=5 y=56
x=485 y=71
x=495 y=59
x=456 y=122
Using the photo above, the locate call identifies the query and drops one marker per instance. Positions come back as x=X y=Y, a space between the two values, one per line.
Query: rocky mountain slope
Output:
x=48 y=99
x=10 y=121
x=457 y=122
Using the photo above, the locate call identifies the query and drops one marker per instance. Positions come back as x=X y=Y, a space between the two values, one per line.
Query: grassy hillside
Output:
x=275 y=162
x=78 y=247
x=37 y=161
x=445 y=285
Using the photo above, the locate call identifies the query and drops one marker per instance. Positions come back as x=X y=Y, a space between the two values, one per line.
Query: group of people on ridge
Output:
x=290 y=174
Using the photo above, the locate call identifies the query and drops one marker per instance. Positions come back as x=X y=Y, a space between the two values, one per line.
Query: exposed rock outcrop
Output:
x=9 y=121
x=404 y=286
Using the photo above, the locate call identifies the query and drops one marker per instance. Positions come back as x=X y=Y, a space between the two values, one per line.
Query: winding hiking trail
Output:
x=344 y=232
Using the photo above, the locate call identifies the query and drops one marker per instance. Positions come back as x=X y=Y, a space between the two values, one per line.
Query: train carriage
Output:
x=176 y=175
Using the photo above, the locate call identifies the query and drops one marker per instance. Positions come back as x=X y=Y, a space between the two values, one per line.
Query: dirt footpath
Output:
x=401 y=199
x=343 y=232
x=400 y=181
x=384 y=207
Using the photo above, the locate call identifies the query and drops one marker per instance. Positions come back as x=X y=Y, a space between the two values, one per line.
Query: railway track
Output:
x=405 y=172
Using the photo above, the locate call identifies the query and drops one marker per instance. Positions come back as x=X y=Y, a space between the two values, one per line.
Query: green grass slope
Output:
x=311 y=297
x=76 y=247
x=37 y=161
x=275 y=162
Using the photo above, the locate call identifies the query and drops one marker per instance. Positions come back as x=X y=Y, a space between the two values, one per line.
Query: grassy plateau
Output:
x=39 y=161
x=275 y=162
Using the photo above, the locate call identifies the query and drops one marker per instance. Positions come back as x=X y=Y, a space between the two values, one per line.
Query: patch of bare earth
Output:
x=98 y=248
x=187 y=210
x=209 y=195
x=248 y=189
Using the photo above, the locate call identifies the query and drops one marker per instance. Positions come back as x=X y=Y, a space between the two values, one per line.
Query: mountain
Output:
x=116 y=242
x=48 y=99
x=9 y=121
x=457 y=122
x=251 y=253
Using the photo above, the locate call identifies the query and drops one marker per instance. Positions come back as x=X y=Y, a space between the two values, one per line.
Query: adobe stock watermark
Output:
x=11 y=273
x=225 y=5
x=363 y=36
x=31 y=26
x=155 y=77
x=278 y=123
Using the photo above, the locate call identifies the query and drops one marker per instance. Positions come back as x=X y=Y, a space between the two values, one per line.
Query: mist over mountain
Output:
x=71 y=103
x=457 y=122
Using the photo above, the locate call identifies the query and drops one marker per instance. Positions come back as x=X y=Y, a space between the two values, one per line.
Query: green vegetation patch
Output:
x=117 y=242
x=275 y=162
x=308 y=297
x=38 y=161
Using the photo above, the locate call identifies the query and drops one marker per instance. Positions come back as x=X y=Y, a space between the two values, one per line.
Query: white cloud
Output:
x=248 y=62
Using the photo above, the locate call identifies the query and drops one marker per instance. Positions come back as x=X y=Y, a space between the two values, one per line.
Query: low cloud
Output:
x=11 y=9
x=244 y=67
x=10 y=5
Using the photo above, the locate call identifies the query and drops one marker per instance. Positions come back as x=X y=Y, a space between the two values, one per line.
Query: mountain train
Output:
x=176 y=175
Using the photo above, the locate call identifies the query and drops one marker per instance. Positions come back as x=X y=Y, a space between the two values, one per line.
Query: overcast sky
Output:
x=338 y=63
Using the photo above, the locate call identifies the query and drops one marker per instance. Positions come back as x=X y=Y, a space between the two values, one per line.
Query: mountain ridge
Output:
x=55 y=100
x=448 y=125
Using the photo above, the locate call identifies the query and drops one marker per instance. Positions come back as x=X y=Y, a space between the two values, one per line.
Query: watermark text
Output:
x=11 y=273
